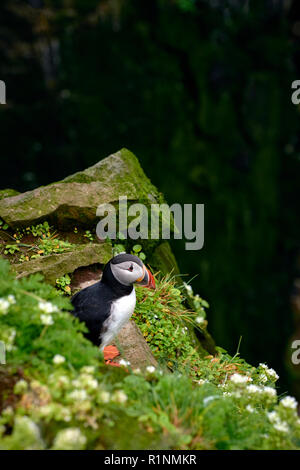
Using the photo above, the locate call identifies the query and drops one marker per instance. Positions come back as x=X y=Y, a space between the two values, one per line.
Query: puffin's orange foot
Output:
x=110 y=352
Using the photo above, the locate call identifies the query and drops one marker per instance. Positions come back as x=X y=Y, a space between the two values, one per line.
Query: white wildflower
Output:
x=200 y=320
x=122 y=362
x=20 y=387
x=4 y=306
x=188 y=288
x=79 y=395
x=47 y=307
x=63 y=380
x=263 y=378
x=69 y=439
x=279 y=425
x=119 y=396
x=269 y=391
x=137 y=370
x=104 y=397
x=269 y=373
x=88 y=381
x=253 y=389
x=240 y=379
x=65 y=414
x=11 y=299
x=202 y=381
x=46 y=320
x=150 y=369
x=58 y=359
x=250 y=408
x=273 y=417
x=273 y=374
x=289 y=402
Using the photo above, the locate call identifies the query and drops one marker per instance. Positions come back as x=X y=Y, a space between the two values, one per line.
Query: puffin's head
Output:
x=129 y=269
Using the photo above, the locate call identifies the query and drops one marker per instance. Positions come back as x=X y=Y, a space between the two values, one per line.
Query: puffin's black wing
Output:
x=92 y=306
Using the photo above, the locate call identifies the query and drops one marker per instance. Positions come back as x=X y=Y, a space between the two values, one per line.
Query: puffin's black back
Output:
x=92 y=305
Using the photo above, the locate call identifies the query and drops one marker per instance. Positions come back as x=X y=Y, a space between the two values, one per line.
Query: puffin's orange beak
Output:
x=147 y=280
x=151 y=280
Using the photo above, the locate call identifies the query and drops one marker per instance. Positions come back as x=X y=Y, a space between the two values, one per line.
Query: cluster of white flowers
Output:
x=268 y=374
x=69 y=439
x=5 y=303
x=250 y=409
x=8 y=337
x=11 y=299
x=261 y=390
x=47 y=308
x=119 y=396
x=289 y=402
x=46 y=320
x=58 y=359
x=200 y=319
x=150 y=369
x=55 y=410
x=61 y=381
x=104 y=396
x=202 y=381
x=20 y=387
x=240 y=379
x=78 y=395
x=4 y=306
x=86 y=382
x=278 y=424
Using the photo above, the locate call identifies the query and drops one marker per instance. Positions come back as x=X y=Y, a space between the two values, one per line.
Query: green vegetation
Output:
x=41 y=240
x=123 y=245
x=63 y=283
x=58 y=394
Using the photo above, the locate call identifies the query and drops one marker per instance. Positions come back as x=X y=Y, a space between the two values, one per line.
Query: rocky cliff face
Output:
x=69 y=207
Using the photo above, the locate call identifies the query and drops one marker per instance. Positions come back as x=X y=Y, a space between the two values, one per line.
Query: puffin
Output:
x=107 y=305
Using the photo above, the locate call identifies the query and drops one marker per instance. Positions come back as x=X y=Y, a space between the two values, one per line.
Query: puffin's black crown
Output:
x=126 y=257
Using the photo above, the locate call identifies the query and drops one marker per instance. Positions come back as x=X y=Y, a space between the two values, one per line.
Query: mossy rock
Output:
x=163 y=259
x=74 y=200
x=133 y=347
x=54 y=266
x=8 y=193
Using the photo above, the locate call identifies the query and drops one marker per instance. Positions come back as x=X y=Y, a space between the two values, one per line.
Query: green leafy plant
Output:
x=89 y=235
x=137 y=250
x=11 y=249
x=63 y=283
x=3 y=225
x=64 y=397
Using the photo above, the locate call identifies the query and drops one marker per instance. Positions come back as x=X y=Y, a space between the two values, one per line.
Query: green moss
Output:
x=163 y=259
x=8 y=193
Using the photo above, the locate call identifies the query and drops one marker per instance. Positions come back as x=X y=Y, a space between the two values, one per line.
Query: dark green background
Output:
x=200 y=91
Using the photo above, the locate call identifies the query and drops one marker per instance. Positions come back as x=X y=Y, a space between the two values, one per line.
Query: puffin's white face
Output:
x=127 y=272
x=128 y=269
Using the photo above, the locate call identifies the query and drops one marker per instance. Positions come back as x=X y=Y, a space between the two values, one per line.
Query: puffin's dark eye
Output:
x=131 y=268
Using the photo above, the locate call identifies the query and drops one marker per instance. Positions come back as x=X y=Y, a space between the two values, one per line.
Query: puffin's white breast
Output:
x=121 y=311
